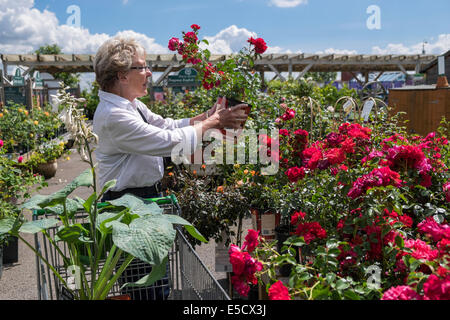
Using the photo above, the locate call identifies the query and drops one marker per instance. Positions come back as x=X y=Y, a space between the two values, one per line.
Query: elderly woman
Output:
x=132 y=139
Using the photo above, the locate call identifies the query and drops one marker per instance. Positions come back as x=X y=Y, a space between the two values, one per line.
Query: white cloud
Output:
x=337 y=51
x=441 y=45
x=229 y=40
x=24 y=28
x=287 y=3
x=232 y=39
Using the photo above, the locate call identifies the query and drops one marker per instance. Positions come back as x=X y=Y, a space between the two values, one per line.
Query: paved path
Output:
x=19 y=279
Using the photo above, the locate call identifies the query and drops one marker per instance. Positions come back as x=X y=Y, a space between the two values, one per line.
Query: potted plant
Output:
x=233 y=78
x=43 y=159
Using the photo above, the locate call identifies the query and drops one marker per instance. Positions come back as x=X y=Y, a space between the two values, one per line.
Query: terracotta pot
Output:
x=48 y=169
x=265 y=221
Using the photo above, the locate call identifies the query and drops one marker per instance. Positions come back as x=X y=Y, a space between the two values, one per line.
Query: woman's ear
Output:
x=122 y=76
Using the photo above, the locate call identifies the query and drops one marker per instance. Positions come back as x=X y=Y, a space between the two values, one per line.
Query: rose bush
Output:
x=361 y=198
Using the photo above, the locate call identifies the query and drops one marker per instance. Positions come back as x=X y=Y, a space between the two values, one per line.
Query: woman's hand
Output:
x=231 y=118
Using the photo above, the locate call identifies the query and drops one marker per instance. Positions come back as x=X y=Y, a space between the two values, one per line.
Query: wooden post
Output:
x=29 y=93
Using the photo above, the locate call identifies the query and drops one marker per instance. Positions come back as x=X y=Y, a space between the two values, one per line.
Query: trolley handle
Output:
x=171 y=199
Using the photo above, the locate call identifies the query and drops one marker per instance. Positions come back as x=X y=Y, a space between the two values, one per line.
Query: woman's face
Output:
x=136 y=85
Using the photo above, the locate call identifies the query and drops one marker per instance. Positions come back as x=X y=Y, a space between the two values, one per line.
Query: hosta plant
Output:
x=114 y=233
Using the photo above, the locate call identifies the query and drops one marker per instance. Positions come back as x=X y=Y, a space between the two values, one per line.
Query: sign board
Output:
x=15 y=95
x=185 y=77
x=18 y=80
x=38 y=82
x=368 y=105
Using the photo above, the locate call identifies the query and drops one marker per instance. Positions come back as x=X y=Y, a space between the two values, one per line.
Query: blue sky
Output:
x=288 y=26
x=307 y=26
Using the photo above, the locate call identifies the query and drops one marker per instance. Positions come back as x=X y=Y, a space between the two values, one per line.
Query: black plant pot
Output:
x=11 y=251
x=282 y=234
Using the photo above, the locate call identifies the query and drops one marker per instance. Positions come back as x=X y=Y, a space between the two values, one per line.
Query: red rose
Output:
x=190 y=37
x=251 y=240
x=295 y=173
x=259 y=43
x=437 y=289
x=278 y=291
x=195 y=27
x=174 y=44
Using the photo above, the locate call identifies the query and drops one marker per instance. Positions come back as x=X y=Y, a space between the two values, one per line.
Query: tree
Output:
x=69 y=79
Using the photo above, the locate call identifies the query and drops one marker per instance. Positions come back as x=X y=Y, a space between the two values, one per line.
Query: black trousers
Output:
x=160 y=290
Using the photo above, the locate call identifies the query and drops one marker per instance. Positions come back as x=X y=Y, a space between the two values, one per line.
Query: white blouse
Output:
x=131 y=150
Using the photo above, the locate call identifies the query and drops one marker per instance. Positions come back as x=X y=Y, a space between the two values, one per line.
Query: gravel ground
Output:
x=19 y=281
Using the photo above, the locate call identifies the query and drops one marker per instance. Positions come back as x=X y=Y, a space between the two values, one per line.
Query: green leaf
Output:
x=399 y=242
x=137 y=205
x=6 y=225
x=38 y=225
x=87 y=205
x=108 y=185
x=106 y=217
x=75 y=233
x=341 y=284
x=148 y=238
x=33 y=202
x=188 y=226
x=85 y=179
x=157 y=273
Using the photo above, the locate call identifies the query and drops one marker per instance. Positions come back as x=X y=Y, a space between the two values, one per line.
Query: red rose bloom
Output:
x=437 y=289
x=259 y=43
x=174 y=44
x=190 y=37
x=251 y=240
x=195 y=27
x=278 y=291
x=295 y=217
x=295 y=173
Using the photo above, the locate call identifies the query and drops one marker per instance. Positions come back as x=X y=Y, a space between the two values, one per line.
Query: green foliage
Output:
x=69 y=79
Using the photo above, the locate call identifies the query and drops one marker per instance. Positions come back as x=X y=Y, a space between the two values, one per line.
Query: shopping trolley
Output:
x=187 y=278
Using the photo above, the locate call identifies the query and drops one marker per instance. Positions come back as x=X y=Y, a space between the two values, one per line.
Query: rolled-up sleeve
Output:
x=131 y=135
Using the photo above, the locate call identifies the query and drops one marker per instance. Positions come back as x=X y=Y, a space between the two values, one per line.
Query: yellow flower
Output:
x=20 y=110
x=26 y=112
x=36 y=122
x=1 y=115
x=31 y=135
x=67 y=158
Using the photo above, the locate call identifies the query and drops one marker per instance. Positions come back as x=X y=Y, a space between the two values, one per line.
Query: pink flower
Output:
x=284 y=132
x=430 y=227
x=278 y=291
x=1 y=143
x=436 y=289
x=174 y=44
x=401 y=293
x=20 y=159
x=446 y=189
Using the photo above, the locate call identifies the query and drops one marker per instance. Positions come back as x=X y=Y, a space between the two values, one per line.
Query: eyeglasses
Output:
x=141 y=68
